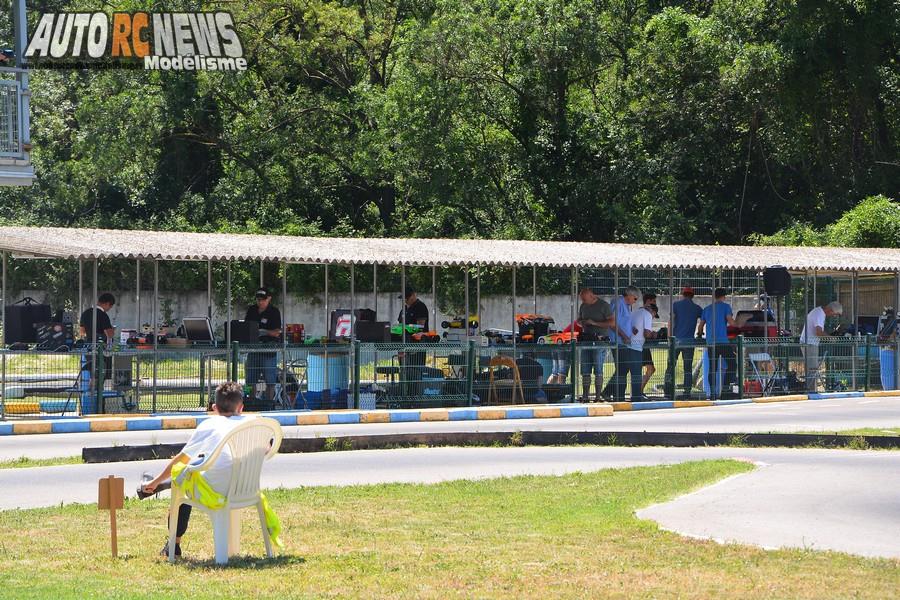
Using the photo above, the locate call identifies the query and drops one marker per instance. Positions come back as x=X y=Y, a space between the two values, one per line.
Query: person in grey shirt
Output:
x=595 y=317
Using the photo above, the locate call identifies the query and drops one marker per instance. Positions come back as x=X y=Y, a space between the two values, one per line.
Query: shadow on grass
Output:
x=249 y=563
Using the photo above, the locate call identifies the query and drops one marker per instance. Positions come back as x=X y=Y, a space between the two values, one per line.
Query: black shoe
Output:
x=641 y=398
x=165 y=550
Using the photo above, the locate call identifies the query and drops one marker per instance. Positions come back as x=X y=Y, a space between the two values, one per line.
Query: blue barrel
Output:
x=546 y=367
x=704 y=353
x=888 y=368
x=337 y=366
x=88 y=396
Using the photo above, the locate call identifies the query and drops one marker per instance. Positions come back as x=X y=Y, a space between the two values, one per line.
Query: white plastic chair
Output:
x=249 y=445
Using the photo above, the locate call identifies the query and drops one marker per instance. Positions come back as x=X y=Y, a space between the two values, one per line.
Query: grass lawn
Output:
x=538 y=537
x=886 y=431
x=24 y=461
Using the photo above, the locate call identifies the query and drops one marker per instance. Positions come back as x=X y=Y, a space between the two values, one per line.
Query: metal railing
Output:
x=368 y=376
x=10 y=119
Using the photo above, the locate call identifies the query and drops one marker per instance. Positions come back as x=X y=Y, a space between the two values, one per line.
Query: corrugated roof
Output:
x=72 y=243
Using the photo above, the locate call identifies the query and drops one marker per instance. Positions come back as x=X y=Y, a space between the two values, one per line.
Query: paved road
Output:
x=824 y=415
x=822 y=499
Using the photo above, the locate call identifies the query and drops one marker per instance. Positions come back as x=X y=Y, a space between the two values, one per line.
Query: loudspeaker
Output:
x=21 y=319
x=777 y=281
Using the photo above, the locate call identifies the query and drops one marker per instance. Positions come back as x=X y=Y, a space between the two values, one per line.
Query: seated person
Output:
x=206 y=438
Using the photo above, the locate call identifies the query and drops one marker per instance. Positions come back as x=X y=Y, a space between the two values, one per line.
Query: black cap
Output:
x=263 y=293
x=409 y=292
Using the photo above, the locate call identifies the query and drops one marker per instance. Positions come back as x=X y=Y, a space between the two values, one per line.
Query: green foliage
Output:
x=873 y=223
x=692 y=121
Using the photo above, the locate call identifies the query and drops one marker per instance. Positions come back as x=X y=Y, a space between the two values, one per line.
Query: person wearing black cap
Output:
x=262 y=365
x=415 y=309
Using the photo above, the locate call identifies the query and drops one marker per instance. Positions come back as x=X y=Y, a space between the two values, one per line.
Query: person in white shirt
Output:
x=205 y=439
x=641 y=324
x=809 y=339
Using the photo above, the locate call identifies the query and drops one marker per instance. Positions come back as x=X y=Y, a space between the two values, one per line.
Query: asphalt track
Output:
x=812 y=415
x=821 y=499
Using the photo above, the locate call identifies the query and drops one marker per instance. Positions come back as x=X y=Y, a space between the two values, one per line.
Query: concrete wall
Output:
x=496 y=311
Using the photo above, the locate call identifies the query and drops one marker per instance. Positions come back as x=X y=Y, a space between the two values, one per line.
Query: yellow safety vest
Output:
x=195 y=487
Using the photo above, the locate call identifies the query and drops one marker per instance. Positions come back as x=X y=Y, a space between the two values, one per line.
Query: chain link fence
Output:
x=422 y=375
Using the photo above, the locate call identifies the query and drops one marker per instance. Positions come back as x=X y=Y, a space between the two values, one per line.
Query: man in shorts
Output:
x=595 y=318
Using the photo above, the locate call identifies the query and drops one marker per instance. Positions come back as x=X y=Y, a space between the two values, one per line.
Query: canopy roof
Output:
x=73 y=243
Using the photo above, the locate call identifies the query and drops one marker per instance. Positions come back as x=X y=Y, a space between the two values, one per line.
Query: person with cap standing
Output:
x=262 y=365
x=809 y=339
x=685 y=314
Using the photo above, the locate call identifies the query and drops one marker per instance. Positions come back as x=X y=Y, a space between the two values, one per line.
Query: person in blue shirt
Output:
x=628 y=360
x=715 y=320
x=685 y=314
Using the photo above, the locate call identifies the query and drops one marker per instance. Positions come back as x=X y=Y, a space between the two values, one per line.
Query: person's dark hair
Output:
x=106 y=298
x=229 y=396
x=408 y=292
x=649 y=297
x=720 y=293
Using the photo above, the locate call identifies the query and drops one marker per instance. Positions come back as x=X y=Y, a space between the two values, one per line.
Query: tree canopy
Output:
x=660 y=121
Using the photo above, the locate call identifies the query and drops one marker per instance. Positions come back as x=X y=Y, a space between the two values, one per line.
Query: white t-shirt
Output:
x=815 y=318
x=641 y=319
x=205 y=440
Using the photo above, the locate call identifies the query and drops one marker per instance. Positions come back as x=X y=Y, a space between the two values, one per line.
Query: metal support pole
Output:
x=137 y=330
x=854 y=320
x=80 y=287
x=434 y=298
x=867 y=372
x=466 y=307
x=574 y=358
x=403 y=301
x=3 y=309
x=477 y=298
x=375 y=289
x=740 y=365
x=534 y=288
x=228 y=307
x=514 y=314
x=352 y=302
x=326 y=389
x=284 y=336
x=670 y=382
x=3 y=333
x=711 y=354
x=209 y=292
x=262 y=280
x=137 y=296
x=98 y=385
x=806 y=307
x=434 y=303
x=354 y=356
x=471 y=362
x=616 y=299
x=815 y=285
x=355 y=377
x=155 y=332
x=897 y=337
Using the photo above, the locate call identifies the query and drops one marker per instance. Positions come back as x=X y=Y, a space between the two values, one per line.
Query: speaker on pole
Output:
x=777 y=281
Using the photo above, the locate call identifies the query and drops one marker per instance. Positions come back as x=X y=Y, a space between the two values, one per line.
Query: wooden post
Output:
x=111 y=497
